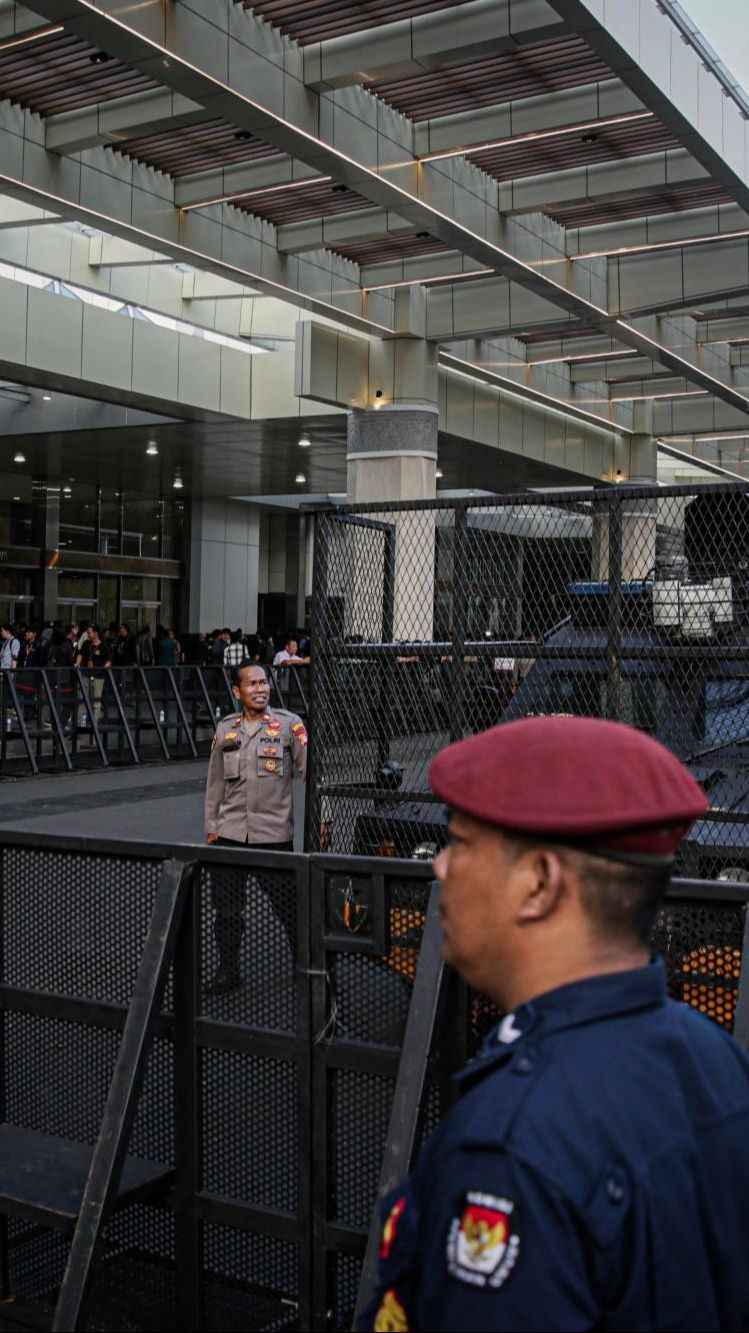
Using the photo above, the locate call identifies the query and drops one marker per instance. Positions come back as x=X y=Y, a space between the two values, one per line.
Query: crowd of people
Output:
x=91 y=647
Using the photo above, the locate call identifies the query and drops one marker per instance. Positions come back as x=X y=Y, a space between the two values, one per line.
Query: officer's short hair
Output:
x=236 y=671
x=620 y=900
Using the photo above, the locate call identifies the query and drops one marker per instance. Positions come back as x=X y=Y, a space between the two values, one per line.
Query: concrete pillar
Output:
x=224 y=564
x=639 y=519
x=392 y=456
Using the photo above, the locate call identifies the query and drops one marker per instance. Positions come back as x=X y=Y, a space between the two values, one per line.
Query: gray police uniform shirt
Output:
x=248 y=792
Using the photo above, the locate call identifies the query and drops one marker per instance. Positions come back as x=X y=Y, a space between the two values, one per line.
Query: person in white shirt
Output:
x=10 y=648
x=235 y=652
x=288 y=656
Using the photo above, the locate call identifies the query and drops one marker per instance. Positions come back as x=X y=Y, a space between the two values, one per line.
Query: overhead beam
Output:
x=235 y=183
x=225 y=59
x=659 y=231
x=678 y=278
x=154 y=112
x=605 y=180
x=613 y=369
x=111 y=252
x=412 y=45
x=295 y=238
x=521 y=116
x=646 y=50
x=723 y=330
x=15 y=213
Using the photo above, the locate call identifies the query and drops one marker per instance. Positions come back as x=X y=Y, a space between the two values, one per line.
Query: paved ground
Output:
x=154 y=802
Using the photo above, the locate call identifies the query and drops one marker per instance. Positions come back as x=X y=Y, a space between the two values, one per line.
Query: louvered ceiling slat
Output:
x=57 y=73
x=315 y=20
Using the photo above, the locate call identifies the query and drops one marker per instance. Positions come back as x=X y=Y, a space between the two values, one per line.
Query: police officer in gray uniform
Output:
x=248 y=801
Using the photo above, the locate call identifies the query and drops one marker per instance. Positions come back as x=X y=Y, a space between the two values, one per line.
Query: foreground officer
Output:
x=595 y=1172
x=248 y=802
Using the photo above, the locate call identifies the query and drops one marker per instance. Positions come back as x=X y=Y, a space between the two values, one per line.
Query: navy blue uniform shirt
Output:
x=593 y=1175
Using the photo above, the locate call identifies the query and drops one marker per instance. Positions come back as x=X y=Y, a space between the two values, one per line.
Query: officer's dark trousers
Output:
x=229 y=901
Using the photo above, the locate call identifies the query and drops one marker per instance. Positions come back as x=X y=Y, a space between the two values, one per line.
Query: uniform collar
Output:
x=570 y=1006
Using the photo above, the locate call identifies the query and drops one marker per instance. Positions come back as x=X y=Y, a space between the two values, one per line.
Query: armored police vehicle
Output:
x=674 y=664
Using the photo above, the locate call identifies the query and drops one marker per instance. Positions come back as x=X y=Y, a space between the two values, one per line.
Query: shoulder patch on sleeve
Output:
x=391 y=1317
x=483 y=1240
x=299 y=730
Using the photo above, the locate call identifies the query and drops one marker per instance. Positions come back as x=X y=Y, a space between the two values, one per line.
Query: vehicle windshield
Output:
x=725 y=713
x=642 y=699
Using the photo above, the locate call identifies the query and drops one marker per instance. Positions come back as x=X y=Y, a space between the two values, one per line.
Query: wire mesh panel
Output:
x=441 y=619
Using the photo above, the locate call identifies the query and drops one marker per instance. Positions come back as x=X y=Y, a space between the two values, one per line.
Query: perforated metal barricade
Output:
x=268 y=1112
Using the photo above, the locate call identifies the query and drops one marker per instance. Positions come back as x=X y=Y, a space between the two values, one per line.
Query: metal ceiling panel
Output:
x=302 y=202
x=390 y=247
x=192 y=148
x=316 y=20
x=537 y=157
x=597 y=211
x=564 y=62
x=59 y=72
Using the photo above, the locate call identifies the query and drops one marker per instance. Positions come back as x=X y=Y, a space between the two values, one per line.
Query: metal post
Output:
x=152 y=706
x=187 y=1125
x=90 y=711
x=459 y=621
x=319 y=636
x=410 y=1084
x=741 y=1017
x=181 y=711
x=614 y=627
x=387 y=665
x=21 y=722
x=56 y=719
x=109 y=1152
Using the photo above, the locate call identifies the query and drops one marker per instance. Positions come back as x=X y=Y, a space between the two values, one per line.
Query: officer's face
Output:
x=254 y=691
x=477 y=903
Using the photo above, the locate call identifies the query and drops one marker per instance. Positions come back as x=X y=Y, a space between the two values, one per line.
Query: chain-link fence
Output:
x=436 y=620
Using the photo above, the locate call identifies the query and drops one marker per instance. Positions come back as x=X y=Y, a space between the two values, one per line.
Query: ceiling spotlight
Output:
x=47 y=397
x=300 y=478
x=422 y=235
x=242 y=135
x=16 y=497
x=153 y=448
x=588 y=138
x=19 y=457
x=340 y=189
x=304 y=442
x=67 y=490
x=99 y=58
x=177 y=484
x=439 y=473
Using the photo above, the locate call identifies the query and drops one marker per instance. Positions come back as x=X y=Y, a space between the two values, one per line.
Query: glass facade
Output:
x=79 y=551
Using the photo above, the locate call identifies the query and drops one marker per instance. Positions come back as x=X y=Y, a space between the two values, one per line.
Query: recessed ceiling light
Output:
x=177 y=484
x=300 y=478
x=153 y=448
x=439 y=473
x=16 y=497
x=67 y=490
x=304 y=442
x=47 y=397
x=19 y=458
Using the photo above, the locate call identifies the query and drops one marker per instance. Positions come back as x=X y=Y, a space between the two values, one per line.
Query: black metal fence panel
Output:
x=270 y=1101
x=63 y=718
x=438 y=619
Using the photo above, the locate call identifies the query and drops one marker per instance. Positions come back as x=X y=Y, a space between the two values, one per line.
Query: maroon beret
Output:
x=575 y=780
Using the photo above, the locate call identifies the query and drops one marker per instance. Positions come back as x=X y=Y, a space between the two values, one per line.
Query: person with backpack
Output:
x=10 y=649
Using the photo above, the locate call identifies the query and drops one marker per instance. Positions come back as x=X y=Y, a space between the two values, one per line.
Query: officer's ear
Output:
x=235 y=692
x=541 y=884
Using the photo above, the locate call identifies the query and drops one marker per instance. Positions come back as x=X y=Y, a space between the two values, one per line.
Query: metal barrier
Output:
x=434 y=620
x=62 y=718
x=271 y=1115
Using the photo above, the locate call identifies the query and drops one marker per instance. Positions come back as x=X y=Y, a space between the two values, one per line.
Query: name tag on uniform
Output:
x=270 y=752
